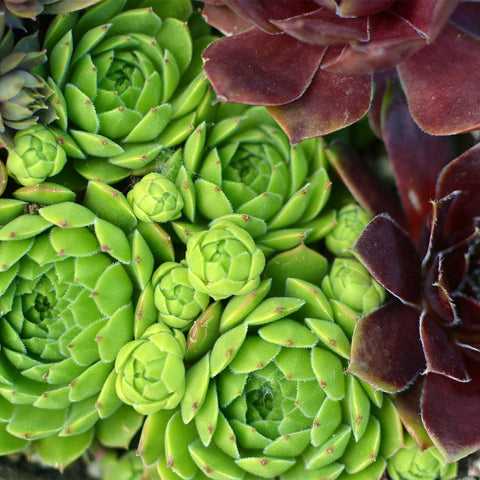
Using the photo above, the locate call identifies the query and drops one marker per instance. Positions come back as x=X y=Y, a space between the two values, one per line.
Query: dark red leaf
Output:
x=427 y=16
x=467 y=18
x=356 y=8
x=441 y=355
x=417 y=158
x=391 y=41
x=260 y=69
x=390 y=256
x=431 y=79
x=462 y=175
x=386 y=348
x=332 y=101
x=325 y=27
x=468 y=331
x=262 y=12
x=362 y=183
x=451 y=413
x=225 y=19
x=408 y=404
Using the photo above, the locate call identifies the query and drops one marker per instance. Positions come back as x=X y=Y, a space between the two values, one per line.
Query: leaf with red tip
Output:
x=391 y=40
x=451 y=413
x=462 y=174
x=362 y=183
x=410 y=149
x=260 y=69
x=441 y=356
x=427 y=16
x=390 y=256
x=356 y=8
x=386 y=348
x=325 y=27
x=225 y=20
x=408 y=404
x=431 y=79
x=332 y=101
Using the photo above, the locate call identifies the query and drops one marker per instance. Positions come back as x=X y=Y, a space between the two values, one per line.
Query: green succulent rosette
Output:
x=243 y=168
x=410 y=463
x=179 y=304
x=24 y=98
x=150 y=370
x=155 y=199
x=75 y=285
x=36 y=156
x=127 y=84
x=267 y=394
x=351 y=220
x=223 y=261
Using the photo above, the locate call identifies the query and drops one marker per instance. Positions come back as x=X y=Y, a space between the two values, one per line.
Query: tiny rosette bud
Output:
x=36 y=156
x=410 y=463
x=351 y=221
x=155 y=199
x=224 y=261
x=350 y=283
x=150 y=370
x=178 y=303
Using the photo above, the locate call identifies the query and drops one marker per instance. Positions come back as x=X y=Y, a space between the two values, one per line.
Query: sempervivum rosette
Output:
x=125 y=86
x=411 y=463
x=75 y=287
x=244 y=168
x=267 y=396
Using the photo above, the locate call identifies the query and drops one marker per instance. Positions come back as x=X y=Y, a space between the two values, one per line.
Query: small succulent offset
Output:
x=267 y=397
x=312 y=63
x=74 y=289
x=244 y=169
x=423 y=344
x=125 y=86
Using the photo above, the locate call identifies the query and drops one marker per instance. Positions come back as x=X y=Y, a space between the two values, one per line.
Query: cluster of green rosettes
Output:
x=175 y=270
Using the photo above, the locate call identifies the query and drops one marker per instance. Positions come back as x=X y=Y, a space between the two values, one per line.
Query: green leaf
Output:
x=196 y=384
x=295 y=363
x=290 y=445
x=254 y=354
x=140 y=20
x=331 y=335
x=45 y=193
x=170 y=75
x=112 y=240
x=177 y=131
x=96 y=145
x=263 y=206
x=391 y=428
x=288 y=333
x=81 y=109
x=284 y=239
x=194 y=148
x=24 y=226
x=175 y=37
x=118 y=430
x=85 y=76
x=189 y=97
x=137 y=156
x=206 y=419
x=59 y=58
x=90 y=381
x=273 y=309
x=113 y=289
x=226 y=347
x=68 y=215
x=211 y=201
x=74 y=241
x=358 y=406
x=265 y=467
x=151 y=125
x=326 y=421
x=331 y=450
x=89 y=41
x=293 y=210
x=142 y=261
x=34 y=423
x=328 y=369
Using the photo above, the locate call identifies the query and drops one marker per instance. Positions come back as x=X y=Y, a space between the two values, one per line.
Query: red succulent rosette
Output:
x=313 y=62
x=424 y=344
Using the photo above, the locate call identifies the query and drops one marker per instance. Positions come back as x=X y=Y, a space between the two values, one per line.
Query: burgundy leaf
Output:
x=356 y=8
x=427 y=16
x=389 y=255
x=262 y=12
x=462 y=174
x=468 y=332
x=224 y=19
x=391 y=41
x=408 y=404
x=417 y=158
x=451 y=413
x=332 y=101
x=277 y=73
x=467 y=18
x=362 y=183
x=324 y=27
x=386 y=348
x=440 y=107
x=440 y=354
x=380 y=80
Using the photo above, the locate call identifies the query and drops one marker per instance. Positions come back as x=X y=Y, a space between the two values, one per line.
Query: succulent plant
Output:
x=127 y=467
x=125 y=86
x=23 y=102
x=266 y=396
x=177 y=301
x=244 y=169
x=75 y=288
x=155 y=199
x=312 y=63
x=351 y=221
x=36 y=156
x=411 y=463
x=150 y=370
x=423 y=343
x=31 y=8
x=223 y=261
